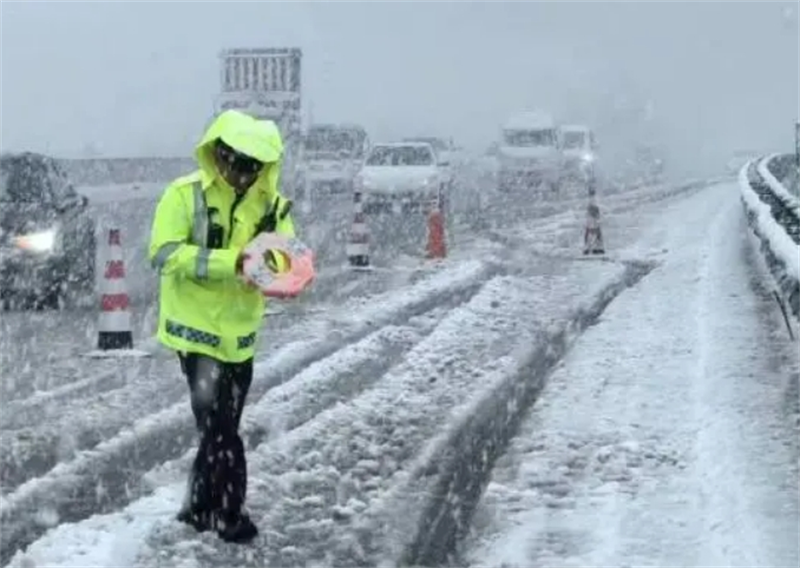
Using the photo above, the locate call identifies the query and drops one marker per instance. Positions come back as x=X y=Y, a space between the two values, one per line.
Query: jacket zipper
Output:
x=236 y=200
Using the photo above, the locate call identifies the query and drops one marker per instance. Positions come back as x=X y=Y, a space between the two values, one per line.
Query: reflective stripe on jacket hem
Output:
x=191 y=334
x=203 y=337
x=246 y=341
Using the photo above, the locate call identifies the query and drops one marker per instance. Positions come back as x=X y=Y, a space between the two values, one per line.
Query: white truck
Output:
x=529 y=155
x=579 y=148
x=332 y=156
x=266 y=83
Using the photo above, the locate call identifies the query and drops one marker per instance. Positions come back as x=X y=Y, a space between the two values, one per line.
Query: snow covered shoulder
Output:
x=663 y=437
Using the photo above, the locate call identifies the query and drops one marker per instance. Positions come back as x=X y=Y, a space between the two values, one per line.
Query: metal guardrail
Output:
x=783 y=167
x=773 y=214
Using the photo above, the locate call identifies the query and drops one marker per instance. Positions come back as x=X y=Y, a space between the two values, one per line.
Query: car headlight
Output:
x=41 y=241
x=588 y=158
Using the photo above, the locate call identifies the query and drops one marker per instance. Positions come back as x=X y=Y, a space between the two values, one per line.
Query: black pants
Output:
x=218 y=480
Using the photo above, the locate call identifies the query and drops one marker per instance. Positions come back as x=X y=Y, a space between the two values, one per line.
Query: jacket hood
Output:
x=259 y=139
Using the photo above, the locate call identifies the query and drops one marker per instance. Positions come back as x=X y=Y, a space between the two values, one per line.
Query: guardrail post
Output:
x=797 y=144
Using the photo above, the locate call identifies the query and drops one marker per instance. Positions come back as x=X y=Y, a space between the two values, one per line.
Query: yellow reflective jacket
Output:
x=198 y=230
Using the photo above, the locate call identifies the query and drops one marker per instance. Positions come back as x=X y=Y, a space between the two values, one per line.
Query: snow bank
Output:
x=781 y=251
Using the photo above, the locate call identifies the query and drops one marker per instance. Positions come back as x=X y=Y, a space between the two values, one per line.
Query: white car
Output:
x=529 y=155
x=401 y=177
x=447 y=156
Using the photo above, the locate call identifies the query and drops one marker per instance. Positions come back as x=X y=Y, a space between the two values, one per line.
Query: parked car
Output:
x=400 y=177
x=47 y=237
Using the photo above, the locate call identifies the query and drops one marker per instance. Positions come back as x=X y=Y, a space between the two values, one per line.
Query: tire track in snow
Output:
x=106 y=477
x=337 y=378
x=314 y=486
x=462 y=464
x=308 y=479
x=318 y=385
x=333 y=380
x=54 y=426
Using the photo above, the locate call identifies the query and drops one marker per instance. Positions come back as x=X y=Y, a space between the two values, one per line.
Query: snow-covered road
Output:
x=361 y=388
x=666 y=437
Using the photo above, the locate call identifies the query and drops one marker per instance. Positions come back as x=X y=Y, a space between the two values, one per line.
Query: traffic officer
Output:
x=207 y=314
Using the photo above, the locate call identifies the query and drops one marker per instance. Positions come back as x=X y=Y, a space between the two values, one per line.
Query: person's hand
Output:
x=240 y=262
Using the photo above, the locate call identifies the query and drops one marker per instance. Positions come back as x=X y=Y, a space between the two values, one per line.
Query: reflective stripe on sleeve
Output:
x=201 y=264
x=200 y=226
x=163 y=254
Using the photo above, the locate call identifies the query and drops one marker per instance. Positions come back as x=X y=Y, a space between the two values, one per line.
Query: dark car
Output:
x=47 y=237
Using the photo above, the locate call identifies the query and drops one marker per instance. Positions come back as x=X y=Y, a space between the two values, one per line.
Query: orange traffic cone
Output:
x=436 y=238
x=115 y=335
x=358 y=242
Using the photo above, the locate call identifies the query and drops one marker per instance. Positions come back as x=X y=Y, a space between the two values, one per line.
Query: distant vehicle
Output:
x=47 y=237
x=332 y=156
x=447 y=155
x=580 y=151
x=648 y=164
x=529 y=154
x=401 y=177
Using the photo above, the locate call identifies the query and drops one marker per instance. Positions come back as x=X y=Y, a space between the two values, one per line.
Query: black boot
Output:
x=198 y=519
x=236 y=528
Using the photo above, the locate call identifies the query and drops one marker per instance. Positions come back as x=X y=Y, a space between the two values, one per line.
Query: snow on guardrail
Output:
x=766 y=169
x=773 y=215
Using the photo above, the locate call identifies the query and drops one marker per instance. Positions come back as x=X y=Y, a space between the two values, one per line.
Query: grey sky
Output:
x=139 y=78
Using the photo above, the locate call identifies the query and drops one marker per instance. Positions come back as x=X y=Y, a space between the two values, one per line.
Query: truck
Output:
x=266 y=83
x=580 y=154
x=529 y=154
x=332 y=156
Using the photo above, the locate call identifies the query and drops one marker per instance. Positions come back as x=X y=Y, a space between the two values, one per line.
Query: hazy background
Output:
x=138 y=79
